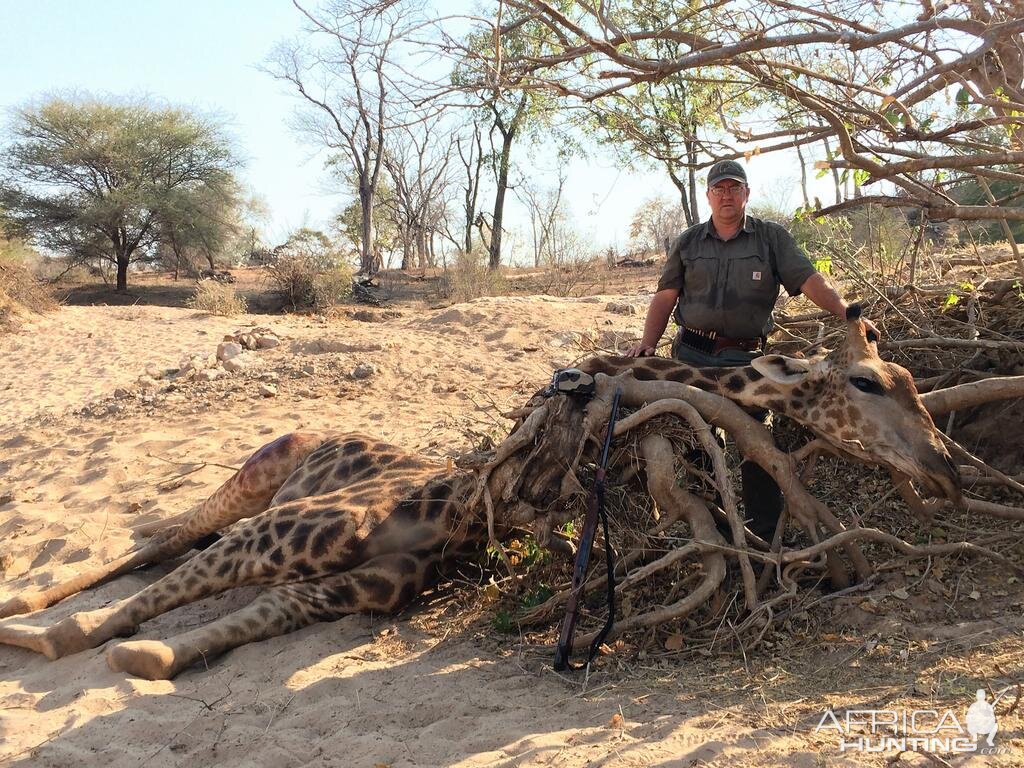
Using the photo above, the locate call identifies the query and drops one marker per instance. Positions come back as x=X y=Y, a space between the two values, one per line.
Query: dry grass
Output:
x=216 y=298
x=469 y=278
x=20 y=291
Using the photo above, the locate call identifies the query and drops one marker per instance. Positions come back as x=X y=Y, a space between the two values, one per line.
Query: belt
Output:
x=711 y=342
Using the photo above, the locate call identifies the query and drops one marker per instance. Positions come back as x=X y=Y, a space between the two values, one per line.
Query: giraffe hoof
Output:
x=19 y=605
x=149 y=659
x=31 y=638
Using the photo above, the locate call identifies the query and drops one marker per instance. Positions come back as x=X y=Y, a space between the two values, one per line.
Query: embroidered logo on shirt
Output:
x=756 y=276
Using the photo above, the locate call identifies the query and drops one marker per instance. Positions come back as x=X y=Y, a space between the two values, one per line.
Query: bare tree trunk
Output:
x=835 y=172
x=684 y=201
x=803 y=178
x=367 y=261
x=691 y=178
x=494 y=259
x=122 y=272
x=472 y=163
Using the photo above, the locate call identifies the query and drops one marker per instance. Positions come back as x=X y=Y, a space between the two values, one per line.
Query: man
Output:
x=722 y=278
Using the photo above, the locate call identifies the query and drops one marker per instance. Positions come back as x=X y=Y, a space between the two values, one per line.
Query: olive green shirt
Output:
x=730 y=286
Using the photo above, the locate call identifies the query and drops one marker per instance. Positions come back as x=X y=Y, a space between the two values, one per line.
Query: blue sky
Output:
x=204 y=55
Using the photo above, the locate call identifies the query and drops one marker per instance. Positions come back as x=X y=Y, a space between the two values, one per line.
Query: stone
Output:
x=227 y=350
x=209 y=374
x=267 y=342
x=240 y=363
x=123 y=394
x=148 y=382
x=154 y=372
x=620 y=308
x=363 y=371
x=267 y=390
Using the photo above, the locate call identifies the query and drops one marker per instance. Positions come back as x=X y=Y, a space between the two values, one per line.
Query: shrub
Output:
x=309 y=272
x=216 y=298
x=20 y=290
x=468 y=277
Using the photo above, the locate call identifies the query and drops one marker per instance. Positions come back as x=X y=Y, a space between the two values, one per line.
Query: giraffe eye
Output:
x=864 y=384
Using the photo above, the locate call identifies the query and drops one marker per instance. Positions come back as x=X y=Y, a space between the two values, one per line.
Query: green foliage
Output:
x=349 y=221
x=105 y=180
x=309 y=271
x=504 y=622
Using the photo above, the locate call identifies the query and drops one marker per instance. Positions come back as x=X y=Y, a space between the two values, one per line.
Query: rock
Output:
x=148 y=382
x=154 y=372
x=209 y=374
x=123 y=394
x=228 y=349
x=247 y=340
x=363 y=371
x=267 y=390
x=620 y=308
x=240 y=362
x=267 y=342
x=269 y=376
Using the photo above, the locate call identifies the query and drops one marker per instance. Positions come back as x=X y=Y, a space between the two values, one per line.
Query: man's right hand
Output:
x=640 y=350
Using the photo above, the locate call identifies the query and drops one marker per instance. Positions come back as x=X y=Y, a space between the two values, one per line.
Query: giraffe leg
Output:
x=385 y=583
x=246 y=493
x=290 y=543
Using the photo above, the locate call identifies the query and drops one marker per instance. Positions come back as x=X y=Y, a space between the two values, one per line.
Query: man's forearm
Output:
x=657 y=316
x=817 y=289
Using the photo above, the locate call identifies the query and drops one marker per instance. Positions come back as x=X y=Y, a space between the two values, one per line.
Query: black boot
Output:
x=762 y=500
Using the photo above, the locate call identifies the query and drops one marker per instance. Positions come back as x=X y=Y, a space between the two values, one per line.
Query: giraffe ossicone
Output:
x=336 y=524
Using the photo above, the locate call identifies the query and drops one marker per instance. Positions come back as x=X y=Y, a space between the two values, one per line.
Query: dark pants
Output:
x=762 y=498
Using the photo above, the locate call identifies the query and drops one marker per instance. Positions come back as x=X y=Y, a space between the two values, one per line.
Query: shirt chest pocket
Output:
x=752 y=280
x=700 y=278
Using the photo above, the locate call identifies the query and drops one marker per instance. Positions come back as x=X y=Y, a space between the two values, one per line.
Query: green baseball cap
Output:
x=726 y=169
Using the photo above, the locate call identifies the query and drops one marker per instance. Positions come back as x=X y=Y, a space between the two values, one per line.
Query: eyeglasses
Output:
x=722 y=191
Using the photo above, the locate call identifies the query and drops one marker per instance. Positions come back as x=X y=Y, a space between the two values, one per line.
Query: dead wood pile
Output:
x=681 y=583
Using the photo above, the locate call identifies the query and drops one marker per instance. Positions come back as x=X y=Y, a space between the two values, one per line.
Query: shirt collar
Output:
x=709 y=227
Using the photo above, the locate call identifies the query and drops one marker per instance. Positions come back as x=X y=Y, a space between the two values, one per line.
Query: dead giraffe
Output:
x=333 y=525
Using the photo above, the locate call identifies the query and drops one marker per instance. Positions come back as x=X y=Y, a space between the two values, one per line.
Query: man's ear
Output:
x=782 y=370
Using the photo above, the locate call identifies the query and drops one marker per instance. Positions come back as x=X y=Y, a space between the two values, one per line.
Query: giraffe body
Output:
x=336 y=524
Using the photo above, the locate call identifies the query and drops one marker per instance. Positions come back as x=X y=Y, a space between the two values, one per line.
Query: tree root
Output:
x=681 y=554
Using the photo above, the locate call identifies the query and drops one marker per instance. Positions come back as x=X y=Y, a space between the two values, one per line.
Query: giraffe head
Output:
x=866 y=406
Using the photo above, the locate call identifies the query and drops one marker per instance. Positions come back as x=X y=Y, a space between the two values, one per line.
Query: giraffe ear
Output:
x=782 y=370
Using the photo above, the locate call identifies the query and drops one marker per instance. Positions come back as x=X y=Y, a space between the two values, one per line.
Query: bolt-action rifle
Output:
x=595 y=508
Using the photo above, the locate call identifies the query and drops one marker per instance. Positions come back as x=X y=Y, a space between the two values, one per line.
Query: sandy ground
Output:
x=79 y=466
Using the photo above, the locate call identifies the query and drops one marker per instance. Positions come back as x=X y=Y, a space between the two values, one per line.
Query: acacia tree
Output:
x=110 y=180
x=348 y=84
x=904 y=92
x=200 y=225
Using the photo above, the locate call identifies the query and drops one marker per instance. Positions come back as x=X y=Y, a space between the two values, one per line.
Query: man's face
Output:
x=728 y=199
